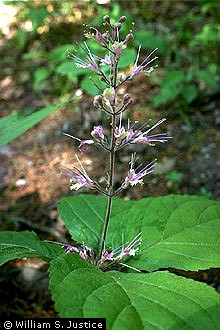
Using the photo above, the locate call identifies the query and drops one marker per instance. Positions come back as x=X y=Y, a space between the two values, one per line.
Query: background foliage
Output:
x=188 y=46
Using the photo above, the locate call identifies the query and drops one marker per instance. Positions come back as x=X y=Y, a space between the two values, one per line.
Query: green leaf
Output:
x=59 y=54
x=70 y=70
x=171 y=87
x=173 y=78
x=166 y=94
x=209 y=35
x=40 y=75
x=177 y=231
x=84 y=216
x=208 y=77
x=149 y=40
x=127 y=58
x=174 y=176
x=88 y=86
x=132 y=301
x=37 y=16
x=15 y=124
x=20 y=38
x=25 y=245
x=189 y=92
x=35 y=54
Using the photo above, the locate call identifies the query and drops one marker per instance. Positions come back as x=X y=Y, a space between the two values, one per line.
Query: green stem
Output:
x=111 y=183
x=111 y=163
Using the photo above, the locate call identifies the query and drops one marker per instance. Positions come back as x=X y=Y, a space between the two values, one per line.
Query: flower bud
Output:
x=127 y=98
x=106 y=18
x=129 y=102
x=128 y=38
x=109 y=94
x=98 y=133
x=106 y=35
x=97 y=102
x=122 y=19
x=117 y=26
x=118 y=48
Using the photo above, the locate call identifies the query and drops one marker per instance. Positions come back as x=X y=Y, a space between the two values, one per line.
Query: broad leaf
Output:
x=158 y=300
x=25 y=245
x=84 y=216
x=177 y=231
x=16 y=124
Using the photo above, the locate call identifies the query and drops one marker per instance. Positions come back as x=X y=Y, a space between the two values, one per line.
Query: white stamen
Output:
x=137 y=58
x=82 y=168
x=73 y=137
x=137 y=270
x=155 y=125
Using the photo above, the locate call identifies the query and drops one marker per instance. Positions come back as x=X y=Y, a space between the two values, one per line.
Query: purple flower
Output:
x=83 y=254
x=131 y=249
x=128 y=38
x=144 y=66
x=118 y=48
x=107 y=36
x=96 y=35
x=108 y=255
x=84 y=251
x=122 y=134
x=108 y=259
x=98 y=133
x=162 y=137
x=71 y=249
x=134 y=176
x=78 y=177
x=107 y=60
x=91 y=64
x=84 y=145
x=140 y=137
x=128 y=135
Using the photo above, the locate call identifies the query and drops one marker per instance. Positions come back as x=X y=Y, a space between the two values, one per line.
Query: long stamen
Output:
x=73 y=137
x=89 y=52
x=137 y=58
x=155 y=125
x=145 y=60
x=136 y=238
x=83 y=170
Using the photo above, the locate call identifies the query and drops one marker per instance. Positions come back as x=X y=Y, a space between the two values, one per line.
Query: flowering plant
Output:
x=114 y=107
x=117 y=266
